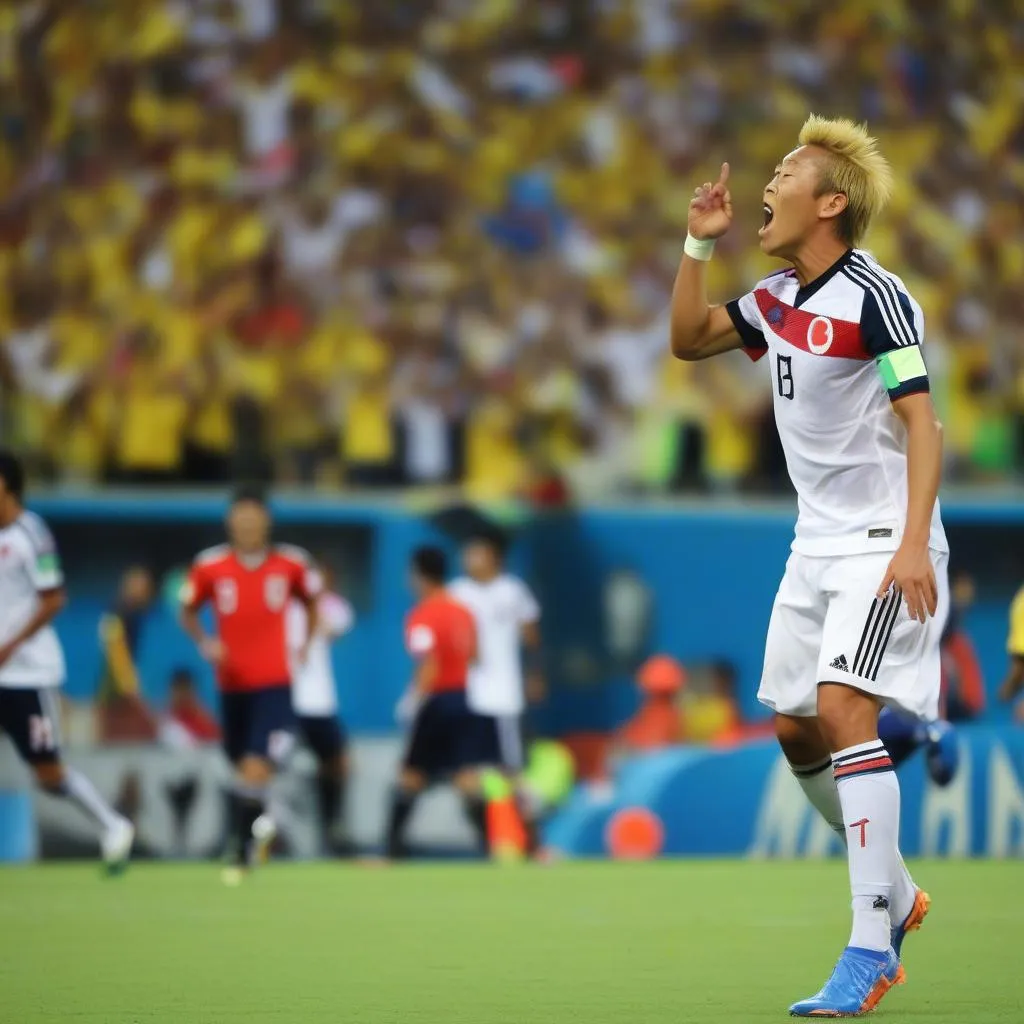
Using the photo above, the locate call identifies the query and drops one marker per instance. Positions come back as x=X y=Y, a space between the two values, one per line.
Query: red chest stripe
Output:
x=819 y=335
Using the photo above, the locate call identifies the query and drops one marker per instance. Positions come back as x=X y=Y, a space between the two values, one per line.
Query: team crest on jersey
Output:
x=819 y=335
x=275 y=591
x=775 y=315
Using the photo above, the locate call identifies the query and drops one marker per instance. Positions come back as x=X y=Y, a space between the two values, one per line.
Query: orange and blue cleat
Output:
x=860 y=978
x=913 y=921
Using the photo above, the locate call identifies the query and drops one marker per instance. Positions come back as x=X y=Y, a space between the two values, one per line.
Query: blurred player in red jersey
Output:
x=445 y=735
x=250 y=583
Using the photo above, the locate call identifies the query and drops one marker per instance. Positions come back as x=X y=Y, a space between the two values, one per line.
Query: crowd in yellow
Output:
x=416 y=243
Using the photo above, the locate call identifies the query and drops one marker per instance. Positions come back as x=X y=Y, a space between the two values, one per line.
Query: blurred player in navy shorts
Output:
x=904 y=735
x=444 y=736
x=250 y=582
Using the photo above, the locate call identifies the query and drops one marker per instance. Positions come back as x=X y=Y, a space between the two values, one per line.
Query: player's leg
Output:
x=811 y=764
x=474 y=744
x=896 y=660
x=789 y=684
x=887 y=658
x=31 y=718
x=511 y=736
x=325 y=736
x=419 y=766
x=261 y=736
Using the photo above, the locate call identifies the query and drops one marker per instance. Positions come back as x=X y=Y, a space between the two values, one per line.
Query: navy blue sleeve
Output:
x=752 y=336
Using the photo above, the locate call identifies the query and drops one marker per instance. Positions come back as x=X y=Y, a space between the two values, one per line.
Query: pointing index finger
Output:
x=723 y=176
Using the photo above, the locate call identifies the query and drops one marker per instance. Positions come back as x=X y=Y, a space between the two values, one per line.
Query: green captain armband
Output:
x=903 y=371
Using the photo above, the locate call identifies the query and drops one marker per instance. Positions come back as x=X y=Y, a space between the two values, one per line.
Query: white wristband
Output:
x=699 y=248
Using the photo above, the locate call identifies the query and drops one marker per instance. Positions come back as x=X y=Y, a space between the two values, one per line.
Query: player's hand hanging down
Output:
x=711 y=208
x=911 y=570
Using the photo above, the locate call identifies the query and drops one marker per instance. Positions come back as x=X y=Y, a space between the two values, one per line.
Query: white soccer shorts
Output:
x=827 y=625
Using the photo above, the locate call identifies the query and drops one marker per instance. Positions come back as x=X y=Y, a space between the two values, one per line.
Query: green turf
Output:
x=667 y=942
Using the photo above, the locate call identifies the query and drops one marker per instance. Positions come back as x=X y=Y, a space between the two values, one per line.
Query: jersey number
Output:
x=784 y=374
x=40 y=733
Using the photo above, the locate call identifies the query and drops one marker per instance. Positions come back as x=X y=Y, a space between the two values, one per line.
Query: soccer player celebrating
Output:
x=315 y=701
x=32 y=663
x=859 y=613
x=250 y=583
x=441 y=635
x=507 y=617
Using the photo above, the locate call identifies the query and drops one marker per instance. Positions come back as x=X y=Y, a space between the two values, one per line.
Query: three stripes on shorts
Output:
x=878 y=628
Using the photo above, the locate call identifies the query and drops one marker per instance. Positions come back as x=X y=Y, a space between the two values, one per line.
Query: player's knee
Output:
x=846 y=716
x=49 y=776
x=801 y=739
x=412 y=781
x=255 y=771
x=467 y=783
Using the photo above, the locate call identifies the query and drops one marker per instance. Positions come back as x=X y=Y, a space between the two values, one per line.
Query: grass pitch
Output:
x=474 y=944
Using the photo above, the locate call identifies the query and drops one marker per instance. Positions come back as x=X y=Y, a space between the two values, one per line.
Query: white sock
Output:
x=870 y=796
x=819 y=786
x=79 y=789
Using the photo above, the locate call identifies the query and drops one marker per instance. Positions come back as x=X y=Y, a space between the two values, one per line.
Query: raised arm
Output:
x=699 y=330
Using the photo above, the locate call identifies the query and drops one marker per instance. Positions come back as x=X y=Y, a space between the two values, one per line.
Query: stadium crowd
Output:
x=421 y=243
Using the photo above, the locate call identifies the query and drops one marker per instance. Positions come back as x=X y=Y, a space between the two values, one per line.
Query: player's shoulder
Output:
x=777 y=280
x=462 y=587
x=862 y=269
x=212 y=556
x=31 y=529
x=293 y=553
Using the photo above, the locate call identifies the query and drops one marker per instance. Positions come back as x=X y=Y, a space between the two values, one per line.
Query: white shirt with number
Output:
x=839 y=352
x=29 y=565
x=501 y=607
x=313 y=691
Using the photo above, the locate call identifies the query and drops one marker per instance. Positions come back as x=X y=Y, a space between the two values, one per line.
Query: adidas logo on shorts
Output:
x=840 y=663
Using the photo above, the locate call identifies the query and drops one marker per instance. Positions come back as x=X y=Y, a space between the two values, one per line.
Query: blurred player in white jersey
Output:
x=32 y=662
x=315 y=702
x=507 y=618
x=859 y=613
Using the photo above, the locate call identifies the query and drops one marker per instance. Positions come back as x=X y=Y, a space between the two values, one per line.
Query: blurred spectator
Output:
x=345 y=243
x=712 y=715
x=658 y=722
x=187 y=722
x=963 y=683
x=124 y=716
x=1014 y=681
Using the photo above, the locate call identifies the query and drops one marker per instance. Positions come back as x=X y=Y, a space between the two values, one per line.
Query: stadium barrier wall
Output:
x=144 y=779
x=745 y=802
x=615 y=583
x=741 y=802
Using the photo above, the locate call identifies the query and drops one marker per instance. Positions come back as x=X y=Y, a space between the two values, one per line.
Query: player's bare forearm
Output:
x=924 y=464
x=312 y=616
x=189 y=620
x=698 y=330
x=50 y=604
x=426 y=673
x=1014 y=681
x=911 y=568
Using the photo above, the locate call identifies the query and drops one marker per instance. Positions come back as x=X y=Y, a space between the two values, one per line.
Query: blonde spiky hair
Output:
x=854 y=167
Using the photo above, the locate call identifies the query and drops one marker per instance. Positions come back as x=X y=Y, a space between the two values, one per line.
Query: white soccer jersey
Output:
x=313 y=690
x=501 y=608
x=29 y=565
x=845 y=447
